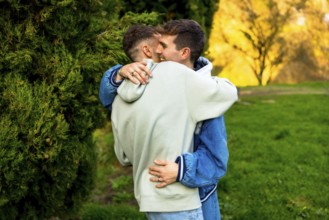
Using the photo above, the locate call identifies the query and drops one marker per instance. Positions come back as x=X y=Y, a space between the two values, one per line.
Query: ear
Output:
x=147 y=51
x=186 y=53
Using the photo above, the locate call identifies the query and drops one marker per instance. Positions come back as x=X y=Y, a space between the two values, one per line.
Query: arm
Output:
x=108 y=87
x=209 y=162
x=114 y=76
x=210 y=97
x=204 y=167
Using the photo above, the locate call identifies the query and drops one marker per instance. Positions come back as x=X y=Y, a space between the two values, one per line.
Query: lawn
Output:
x=279 y=158
x=278 y=166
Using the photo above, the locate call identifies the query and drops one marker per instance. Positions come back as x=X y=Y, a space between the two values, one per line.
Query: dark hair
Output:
x=133 y=36
x=189 y=34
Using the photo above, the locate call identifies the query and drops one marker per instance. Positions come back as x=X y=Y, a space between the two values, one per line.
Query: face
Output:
x=167 y=50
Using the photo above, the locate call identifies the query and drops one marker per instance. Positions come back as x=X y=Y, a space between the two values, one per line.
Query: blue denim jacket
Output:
x=108 y=87
x=208 y=163
x=202 y=168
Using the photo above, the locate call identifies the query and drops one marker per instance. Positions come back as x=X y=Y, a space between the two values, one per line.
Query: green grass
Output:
x=107 y=212
x=279 y=158
x=278 y=165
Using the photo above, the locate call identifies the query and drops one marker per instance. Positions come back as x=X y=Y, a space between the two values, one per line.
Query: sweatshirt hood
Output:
x=131 y=92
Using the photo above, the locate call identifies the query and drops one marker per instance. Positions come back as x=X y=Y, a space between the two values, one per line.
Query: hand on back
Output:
x=136 y=72
x=164 y=172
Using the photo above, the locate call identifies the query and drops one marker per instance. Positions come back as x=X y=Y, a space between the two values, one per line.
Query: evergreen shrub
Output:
x=52 y=57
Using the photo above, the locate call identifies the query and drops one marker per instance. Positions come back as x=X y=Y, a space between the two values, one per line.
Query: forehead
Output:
x=167 y=39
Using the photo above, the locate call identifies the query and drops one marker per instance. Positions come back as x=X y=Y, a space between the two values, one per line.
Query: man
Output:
x=200 y=148
x=208 y=163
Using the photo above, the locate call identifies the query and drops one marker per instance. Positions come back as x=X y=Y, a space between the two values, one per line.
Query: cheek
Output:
x=159 y=49
x=172 y=55
x=168 y=53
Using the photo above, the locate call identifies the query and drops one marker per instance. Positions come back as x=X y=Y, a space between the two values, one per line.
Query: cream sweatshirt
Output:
x=157 y=121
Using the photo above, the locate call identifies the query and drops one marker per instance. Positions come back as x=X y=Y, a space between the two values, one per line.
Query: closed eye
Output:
x=163 y=45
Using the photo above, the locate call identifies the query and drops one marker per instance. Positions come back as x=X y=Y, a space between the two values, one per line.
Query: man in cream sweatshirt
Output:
x=158 y=120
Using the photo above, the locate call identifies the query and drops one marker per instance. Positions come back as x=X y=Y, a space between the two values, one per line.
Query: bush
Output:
x=52 y=57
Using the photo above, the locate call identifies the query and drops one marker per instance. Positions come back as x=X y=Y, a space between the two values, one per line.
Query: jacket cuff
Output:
x=181 y=168
x=112 y=76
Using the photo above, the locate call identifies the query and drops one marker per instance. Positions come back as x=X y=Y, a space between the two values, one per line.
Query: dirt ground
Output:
x=281 y=90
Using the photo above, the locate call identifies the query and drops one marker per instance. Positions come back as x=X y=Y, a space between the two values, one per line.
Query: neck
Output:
x=188 y=64
x=141 y=58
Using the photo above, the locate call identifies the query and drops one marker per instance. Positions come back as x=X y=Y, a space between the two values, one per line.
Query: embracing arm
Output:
x=209 y=97
x=209 y=162
x=203 y=167
x=108 y=87
x=114 y=76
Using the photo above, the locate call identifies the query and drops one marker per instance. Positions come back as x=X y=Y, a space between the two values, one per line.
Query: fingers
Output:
x=136 y=72
x=158 y=166
x=155 y=179
x=154 y=172
x=161 y=183
x=161 y=162
x=163 y=173
x=159 y=169
x=134 y=79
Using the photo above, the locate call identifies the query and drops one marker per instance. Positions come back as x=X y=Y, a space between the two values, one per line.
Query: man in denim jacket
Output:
x=208 y=163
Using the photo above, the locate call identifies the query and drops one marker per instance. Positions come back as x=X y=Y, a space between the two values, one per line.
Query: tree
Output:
x=259 y=26
x=52 y=57
x=308 y=45
x=317 y=32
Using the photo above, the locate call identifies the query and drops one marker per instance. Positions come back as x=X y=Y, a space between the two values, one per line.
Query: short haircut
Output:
x=133 y=36
x=189 y=34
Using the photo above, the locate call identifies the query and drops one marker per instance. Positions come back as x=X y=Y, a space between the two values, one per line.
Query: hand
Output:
x=136 y=72
x=164 y=172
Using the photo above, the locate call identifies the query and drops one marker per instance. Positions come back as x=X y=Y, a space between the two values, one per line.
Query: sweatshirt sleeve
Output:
x=209 y=97
x=108 y=87
x=118 y=149
x=120 y=154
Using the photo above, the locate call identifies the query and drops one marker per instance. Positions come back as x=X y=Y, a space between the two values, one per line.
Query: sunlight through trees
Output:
x=259 y=42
